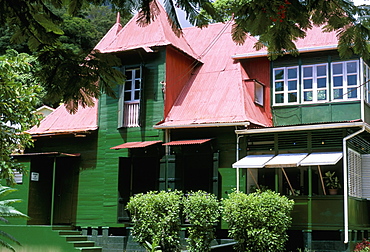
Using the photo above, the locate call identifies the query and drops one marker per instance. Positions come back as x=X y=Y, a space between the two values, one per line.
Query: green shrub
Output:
x=258 y=221
x=156 y=219
x=202 y=210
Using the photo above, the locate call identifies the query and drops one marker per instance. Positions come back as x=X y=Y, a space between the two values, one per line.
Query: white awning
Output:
x=286 y=160
x=322 y=158
x=253 y=161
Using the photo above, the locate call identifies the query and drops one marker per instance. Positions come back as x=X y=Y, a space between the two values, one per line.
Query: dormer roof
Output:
x=135 y=35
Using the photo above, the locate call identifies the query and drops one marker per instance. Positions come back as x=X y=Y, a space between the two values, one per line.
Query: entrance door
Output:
x=41 y=188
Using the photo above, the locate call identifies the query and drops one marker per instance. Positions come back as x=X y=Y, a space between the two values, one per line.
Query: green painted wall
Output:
x=319 y=113
x=98 y=188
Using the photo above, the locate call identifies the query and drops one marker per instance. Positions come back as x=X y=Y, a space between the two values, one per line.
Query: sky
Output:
x=182 y=17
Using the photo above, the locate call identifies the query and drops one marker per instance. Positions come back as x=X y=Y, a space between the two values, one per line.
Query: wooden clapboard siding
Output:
x=98 y=188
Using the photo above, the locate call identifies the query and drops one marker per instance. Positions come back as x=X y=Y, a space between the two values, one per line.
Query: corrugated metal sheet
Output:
x=60 y=121
x=216 y=93
x=135 y=36
x=134 y=145
x=186 y=142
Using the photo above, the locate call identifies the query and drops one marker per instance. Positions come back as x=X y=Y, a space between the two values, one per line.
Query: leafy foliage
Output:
x=362 y=246
x=278 y=23
x=19 y=94
x=156 y=219
x=258 y=221
x=202 y=210
x=8 y=211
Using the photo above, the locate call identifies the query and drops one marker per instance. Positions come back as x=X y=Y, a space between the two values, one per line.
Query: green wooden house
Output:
x=198 y=112
x=320 y=109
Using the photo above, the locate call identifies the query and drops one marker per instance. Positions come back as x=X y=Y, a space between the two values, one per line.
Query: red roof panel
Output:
x=135 y=36
x=186 y=142
x=60 y=121
x=129 y=145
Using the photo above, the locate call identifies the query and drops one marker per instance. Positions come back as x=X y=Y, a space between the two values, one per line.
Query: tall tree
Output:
x=19 y=93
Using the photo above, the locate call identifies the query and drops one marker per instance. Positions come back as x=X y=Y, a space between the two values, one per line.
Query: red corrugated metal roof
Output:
x=216 y=93
x=186 y=142
x=135 y=36
x=60 y=121
x=129 y=145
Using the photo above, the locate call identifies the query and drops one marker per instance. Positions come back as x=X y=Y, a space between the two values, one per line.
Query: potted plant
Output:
x=332 y=182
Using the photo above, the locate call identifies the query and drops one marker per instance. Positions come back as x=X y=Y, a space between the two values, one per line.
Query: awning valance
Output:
x=289 y=160
x=186 y=142
x=130 y=145
x=253 y=161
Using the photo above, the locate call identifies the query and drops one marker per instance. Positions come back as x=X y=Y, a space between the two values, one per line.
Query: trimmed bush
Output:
x=258 y=221
x=156 y=220
x=202 y=210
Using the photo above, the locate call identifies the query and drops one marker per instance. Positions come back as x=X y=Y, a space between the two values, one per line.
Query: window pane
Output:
x=279 y=98
x=307 y=72
x=351 y=80
x=321 y=95
x=128 y=75
x=279 y=74
x=128 y=85
x=137 y=74
x=337 y=68
x=292 y=73
x=338 y=93
x=292 y=97
x=307 y=84
x=137 y=84
x=279 y=86
x=127 y=96
x=321 y=71
x=137 y=95
x=307 y=96
x=321 y=82
x=352 y=67
x=292 y=85
x=338 y=81
x=352 y=93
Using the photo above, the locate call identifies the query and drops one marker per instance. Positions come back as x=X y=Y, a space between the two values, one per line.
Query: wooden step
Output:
x=70 y=238
x=90 y=249
x=83 y=244
x=63 y=228
x=69 y=232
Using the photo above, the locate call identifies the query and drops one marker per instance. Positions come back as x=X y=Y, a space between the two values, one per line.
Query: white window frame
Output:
x=285 y=90
x=129 y=108
x=315 y=78
x=259 y=91
x=366 y=81
x=346 y=88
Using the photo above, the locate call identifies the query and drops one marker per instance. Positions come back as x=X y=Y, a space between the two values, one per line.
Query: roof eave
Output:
x=300 y=50
x=202 y=125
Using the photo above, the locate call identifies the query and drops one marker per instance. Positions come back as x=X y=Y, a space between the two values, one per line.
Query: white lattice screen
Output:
x=366 y=176
x=354 y=174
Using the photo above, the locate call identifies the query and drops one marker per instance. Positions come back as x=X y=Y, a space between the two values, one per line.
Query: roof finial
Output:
x=118 y=21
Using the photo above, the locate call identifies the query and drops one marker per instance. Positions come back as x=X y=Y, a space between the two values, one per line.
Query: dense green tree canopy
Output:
x=19 y=93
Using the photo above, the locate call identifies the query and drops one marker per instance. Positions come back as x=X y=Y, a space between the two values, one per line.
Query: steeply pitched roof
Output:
x=217 y=93
x=60 y=121
x=134 y=36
